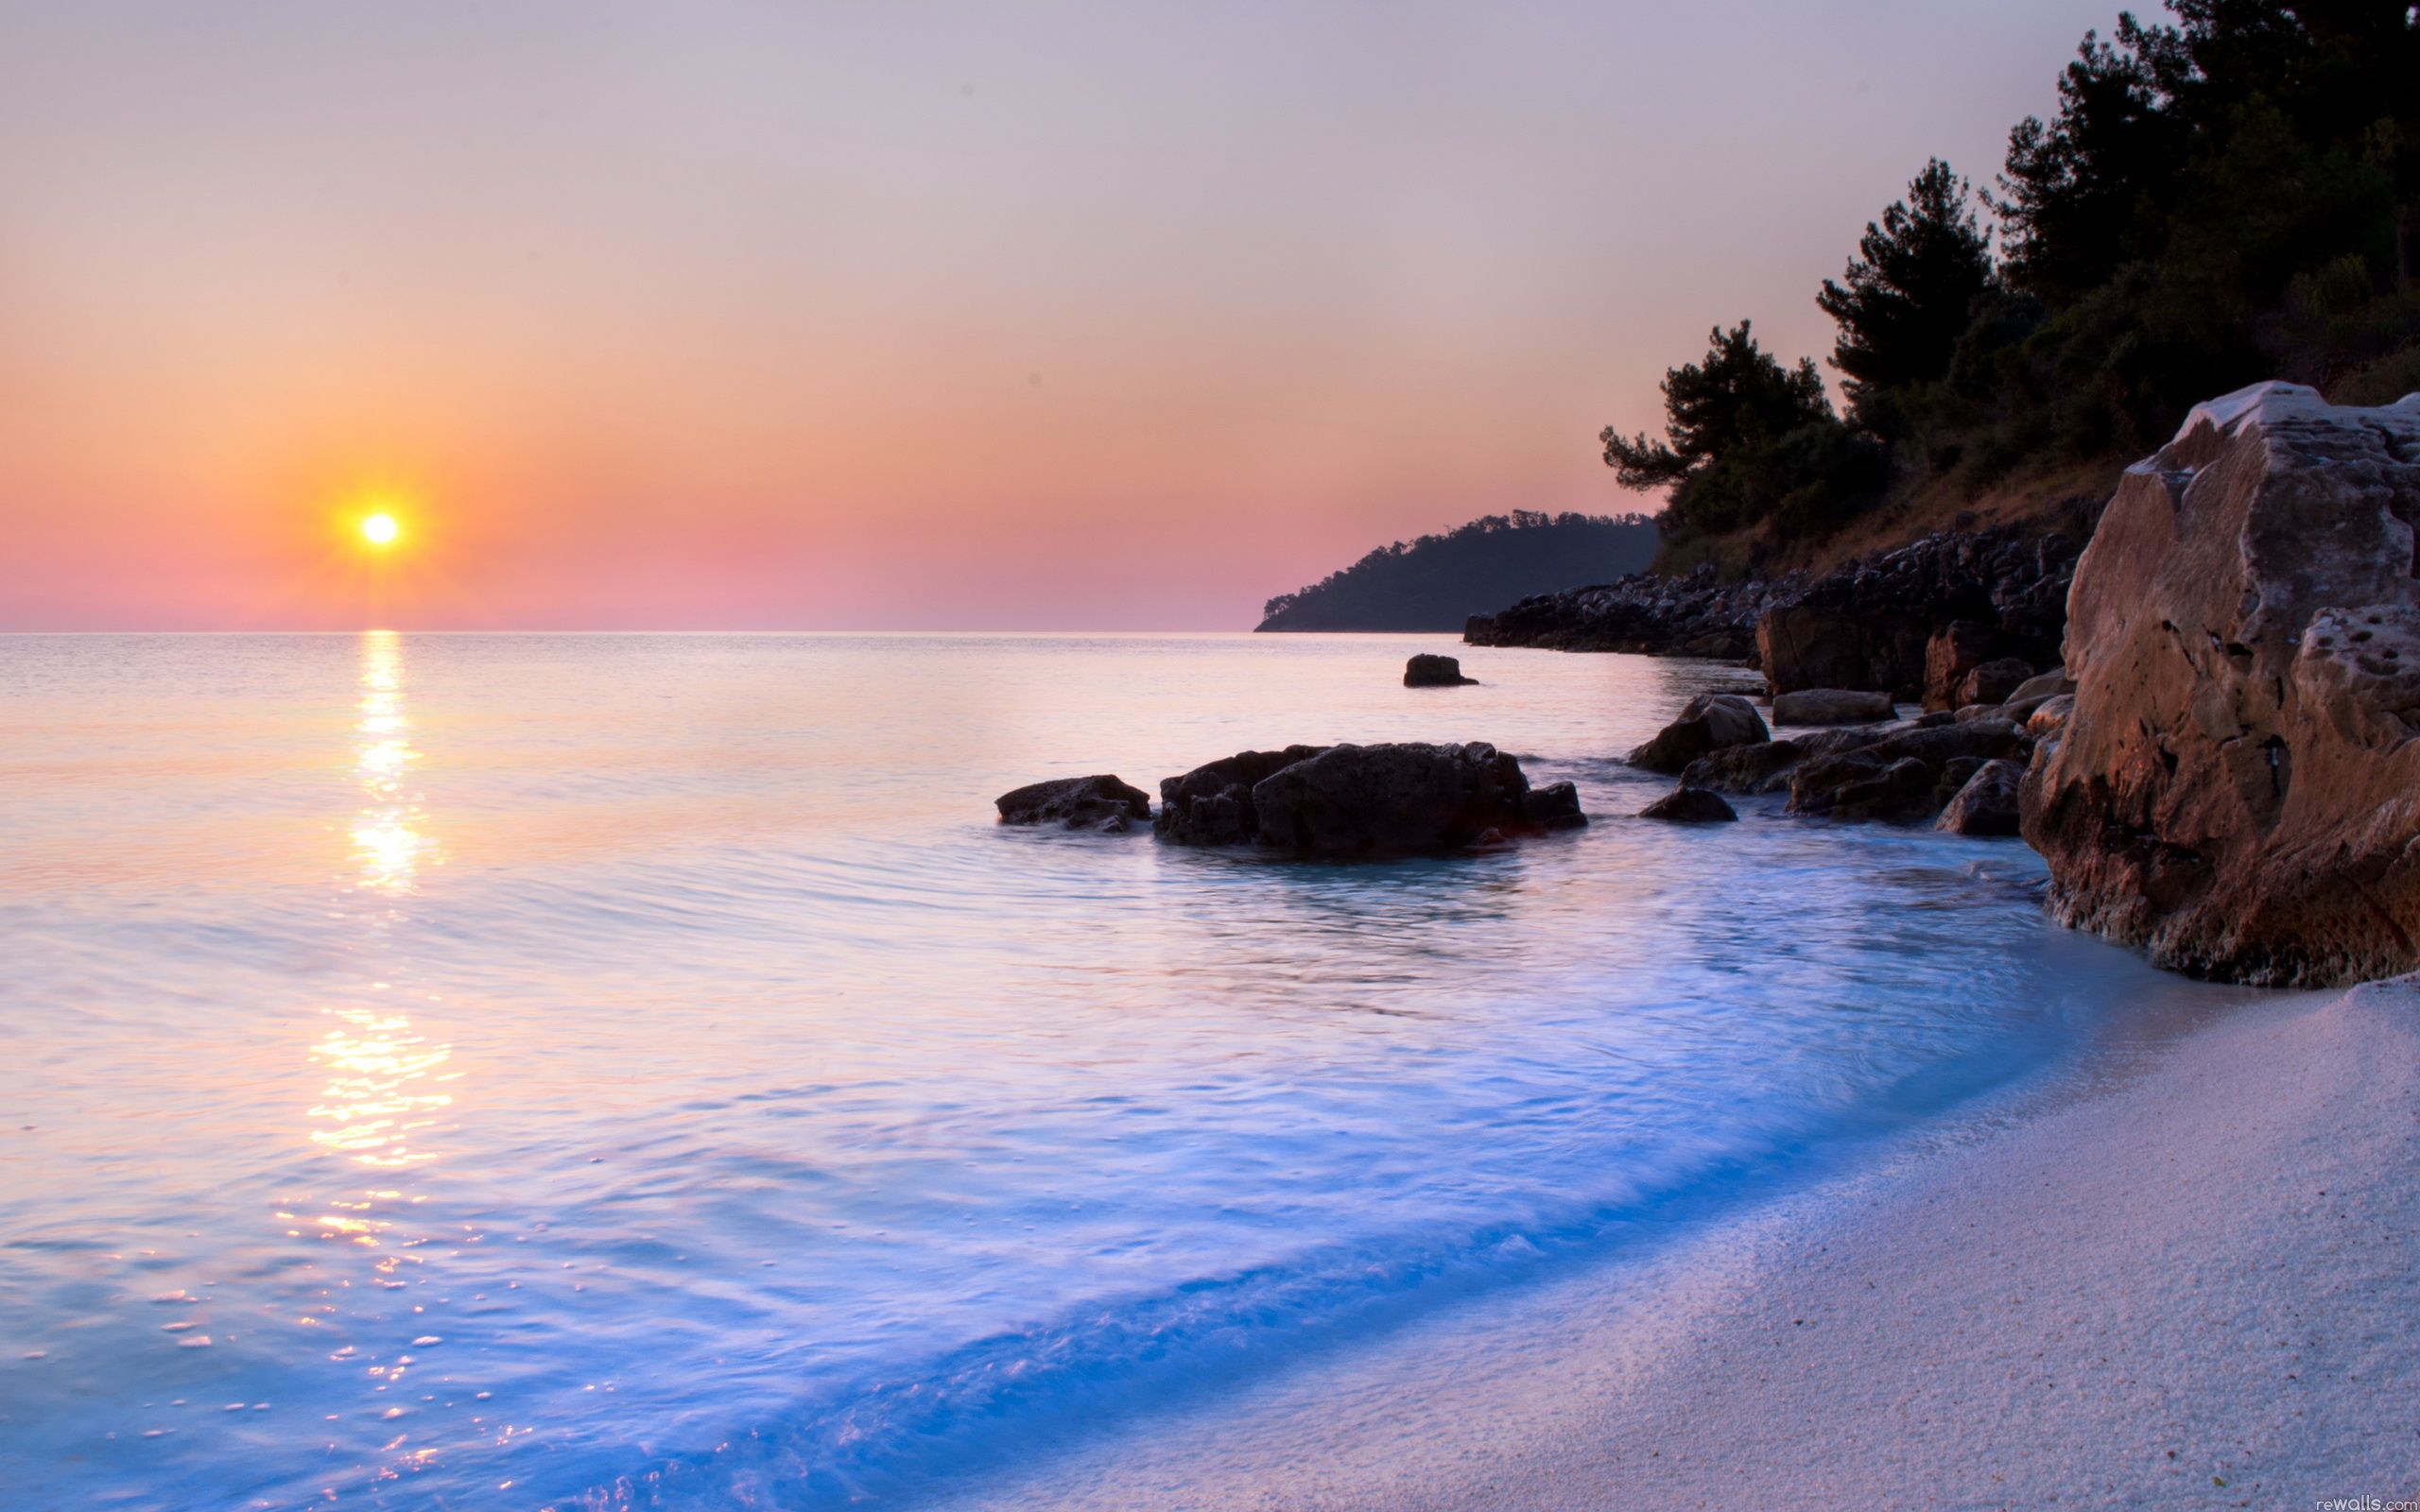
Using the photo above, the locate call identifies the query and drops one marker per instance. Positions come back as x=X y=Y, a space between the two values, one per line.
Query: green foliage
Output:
x=1908 y=294
x=1739 y=429
x=1437 y=582
x=2228 y=194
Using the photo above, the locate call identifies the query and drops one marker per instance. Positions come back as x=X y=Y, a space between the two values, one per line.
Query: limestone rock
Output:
x=2237 y=784
x=1711 y=722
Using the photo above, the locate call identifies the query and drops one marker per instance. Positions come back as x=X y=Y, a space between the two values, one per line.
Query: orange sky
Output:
x=784 y=315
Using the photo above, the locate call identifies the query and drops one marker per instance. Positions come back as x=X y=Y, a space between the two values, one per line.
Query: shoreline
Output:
x=2180 y=1270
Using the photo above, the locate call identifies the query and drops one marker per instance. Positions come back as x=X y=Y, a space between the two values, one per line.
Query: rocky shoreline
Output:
x=1892 y=623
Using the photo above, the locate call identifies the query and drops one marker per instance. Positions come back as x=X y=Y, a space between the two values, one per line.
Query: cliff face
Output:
x=2237 y=785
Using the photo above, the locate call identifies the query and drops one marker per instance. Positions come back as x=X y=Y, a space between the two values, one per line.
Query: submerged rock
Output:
x=1389 y=799
x=1711 y=722
x=2236 y=783
x=1690 y=805
x=1832 y=706
x=1099 y=802
x=1427 y=671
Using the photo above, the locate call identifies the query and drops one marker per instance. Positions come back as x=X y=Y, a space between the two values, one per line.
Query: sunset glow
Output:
x=379 y=529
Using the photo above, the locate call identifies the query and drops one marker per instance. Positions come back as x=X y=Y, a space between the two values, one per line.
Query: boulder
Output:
x=1427 y=671
x=1079 y=802
x=1987 y=804
x=1955 y=650
x=1711 y=721
x=2048 y=685
x=1831 y=706
x=1861 y=785
x=1995 y=681
x=2236 y=783
x=1761 y=768
x=1361 y=800
x=1212 y=804
x=1844 y=644
x=1689 y=805
x=1555 y=806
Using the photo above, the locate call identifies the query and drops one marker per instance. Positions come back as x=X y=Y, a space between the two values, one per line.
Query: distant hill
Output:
x=1437 y=582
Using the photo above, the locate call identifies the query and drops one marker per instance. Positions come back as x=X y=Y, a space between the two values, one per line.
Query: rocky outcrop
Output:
x=1645 y=613
x=1912 y=623
x=1361 y=800
x=1711 y=721
x=2236 y=783
x=1427 y=671
x=1832 y=706
x=1690 y=805
x=1100 y=802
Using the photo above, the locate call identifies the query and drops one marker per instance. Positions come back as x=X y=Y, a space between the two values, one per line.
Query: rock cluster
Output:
x=1914 y=623
x=1920 y=622
x=2235 y=781
x=1962 y=768
x=1381 y=800
x=1645 y=612
x=1362 y=800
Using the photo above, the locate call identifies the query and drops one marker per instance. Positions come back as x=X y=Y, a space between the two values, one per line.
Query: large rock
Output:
x=2237 y=784
x=1763 y=768
x=1811 y=645
x=1711 y=721
x=1212 y=804
x=1987 y=804
x=1100 y=802
x=1426 y=671
x=1689 y=805
x=1832 y=706
x=1863 y=786
x=1361 y=800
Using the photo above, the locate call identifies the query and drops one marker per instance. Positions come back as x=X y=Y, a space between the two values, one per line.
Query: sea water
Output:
x=564 y=1071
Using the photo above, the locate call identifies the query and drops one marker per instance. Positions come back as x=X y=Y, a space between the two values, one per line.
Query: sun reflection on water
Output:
x=389 y=1085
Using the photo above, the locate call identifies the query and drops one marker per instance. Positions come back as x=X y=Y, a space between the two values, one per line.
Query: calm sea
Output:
x=520 y=1070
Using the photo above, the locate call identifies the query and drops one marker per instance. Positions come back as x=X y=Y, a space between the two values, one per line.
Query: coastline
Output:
x=2182 y=1273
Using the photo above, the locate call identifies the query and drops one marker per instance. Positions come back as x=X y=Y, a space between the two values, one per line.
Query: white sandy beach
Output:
x=2189 y=1280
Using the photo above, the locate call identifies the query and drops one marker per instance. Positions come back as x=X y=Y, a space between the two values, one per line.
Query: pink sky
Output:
x=780 y=316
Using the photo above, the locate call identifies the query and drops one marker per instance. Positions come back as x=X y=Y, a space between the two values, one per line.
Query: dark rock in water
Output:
x=1100 y=802
x=1555 y=806
x=1995 y=681
x=1392 y=799
x=2236 y=782
x=1832 y=706
x=1986 y=805
x=1689 y=805
x=1427 y=671
x=1711 y=722
x=1212 y=804
x=1761 y=768
x=1362 y=800
x=1864 y=785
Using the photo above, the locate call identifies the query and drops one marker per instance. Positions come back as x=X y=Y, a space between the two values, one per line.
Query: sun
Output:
x=379 y=529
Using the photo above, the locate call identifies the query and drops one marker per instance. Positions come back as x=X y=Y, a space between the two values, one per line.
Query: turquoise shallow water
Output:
x=595 y=1071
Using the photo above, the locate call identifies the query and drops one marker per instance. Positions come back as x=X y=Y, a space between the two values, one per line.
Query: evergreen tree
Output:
x=1910 y=292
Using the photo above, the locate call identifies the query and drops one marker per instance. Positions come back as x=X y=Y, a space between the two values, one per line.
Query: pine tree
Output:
x=1911 y=291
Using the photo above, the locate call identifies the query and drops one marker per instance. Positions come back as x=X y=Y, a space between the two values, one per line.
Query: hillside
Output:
x=1437 y=582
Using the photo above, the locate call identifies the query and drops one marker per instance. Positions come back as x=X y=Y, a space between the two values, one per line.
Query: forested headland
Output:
x=1437 y=582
